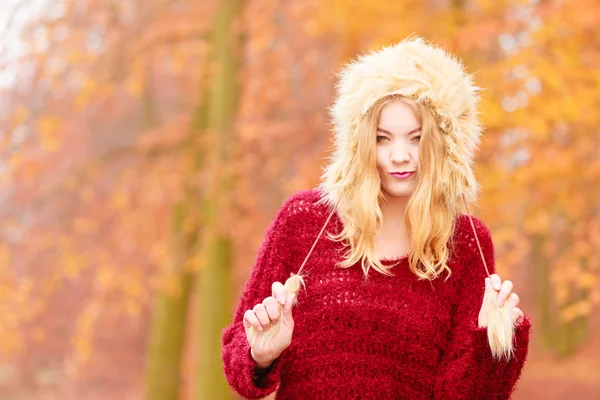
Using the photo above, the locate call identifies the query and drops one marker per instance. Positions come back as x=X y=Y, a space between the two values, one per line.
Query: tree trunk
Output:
x=168 y=329
x=214 y=279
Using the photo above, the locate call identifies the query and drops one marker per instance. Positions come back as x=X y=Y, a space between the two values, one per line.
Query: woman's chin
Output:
x=397 y=193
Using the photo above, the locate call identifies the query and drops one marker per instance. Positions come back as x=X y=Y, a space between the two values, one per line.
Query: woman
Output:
x=414 y=328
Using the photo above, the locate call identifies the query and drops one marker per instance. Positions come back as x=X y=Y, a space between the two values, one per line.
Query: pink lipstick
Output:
x=403 y=175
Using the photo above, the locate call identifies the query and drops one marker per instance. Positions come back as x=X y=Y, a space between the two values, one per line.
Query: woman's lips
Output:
x=402 y=176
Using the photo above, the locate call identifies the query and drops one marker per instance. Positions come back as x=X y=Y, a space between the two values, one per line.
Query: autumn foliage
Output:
x=126 y=164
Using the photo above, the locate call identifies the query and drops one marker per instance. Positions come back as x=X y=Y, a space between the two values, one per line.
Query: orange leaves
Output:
x=70 y=261
x=134 y=86
x=5 y=258
x=119 y=201
x=48 y=129
x=107 y=235
x=83 y=225
x=88 y=91
x=18 y=307
x=537 y=223
x=587 y=280
x=83 y=337
x=20 y=115
x=568 y=282
x=581 y=308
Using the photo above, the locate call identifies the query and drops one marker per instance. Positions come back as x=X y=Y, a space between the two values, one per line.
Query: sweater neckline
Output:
x=384 y=260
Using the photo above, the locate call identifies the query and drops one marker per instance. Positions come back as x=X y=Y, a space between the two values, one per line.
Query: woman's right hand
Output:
x=262 y=317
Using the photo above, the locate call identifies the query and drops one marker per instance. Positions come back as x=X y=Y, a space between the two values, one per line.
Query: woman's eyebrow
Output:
x=409 y=133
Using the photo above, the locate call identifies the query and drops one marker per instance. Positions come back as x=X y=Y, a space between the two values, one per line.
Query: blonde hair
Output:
x=430 y=215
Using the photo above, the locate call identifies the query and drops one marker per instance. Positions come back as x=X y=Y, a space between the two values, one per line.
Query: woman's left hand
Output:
x=505 y=293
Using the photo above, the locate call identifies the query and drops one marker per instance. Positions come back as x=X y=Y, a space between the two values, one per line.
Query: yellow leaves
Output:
x=569 y=282
x=18 y=306
x=171 y=284
x=491 y=113
x=553 y=81
x=89 y=90
x=71 y=266
x=355 y=19
x=47 y=127
x=178 y=60
x=38 y=334
x=561 y=293
x=159 y=253
x=196 y=261
x=83 y=337
x=119 y=201
x=87 y=194
x=20 y=115
x=593 y=171
x=537 y=222
x=190 y=224
x=132 y=307
x=70 y=261
x=581 y=249
x=126 y=282
x=580 y=309
x=587 y=280
x=134 y=85
x=133 y=294
x=74 y=56
x=571 y=108
x=105 y=278
x=593 y=233
x=5 y=256
x=82 y=225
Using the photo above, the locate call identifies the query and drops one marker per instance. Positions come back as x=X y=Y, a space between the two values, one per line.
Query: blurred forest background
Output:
x=146 y=144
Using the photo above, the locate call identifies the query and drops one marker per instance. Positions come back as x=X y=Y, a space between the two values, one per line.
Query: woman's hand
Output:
x=269 y=344
x=505 y=293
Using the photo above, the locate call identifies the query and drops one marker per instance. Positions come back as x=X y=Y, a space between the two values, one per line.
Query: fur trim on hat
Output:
x=424 y=73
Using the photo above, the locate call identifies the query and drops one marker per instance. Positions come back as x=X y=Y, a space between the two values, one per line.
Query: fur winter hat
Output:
x=427 y=75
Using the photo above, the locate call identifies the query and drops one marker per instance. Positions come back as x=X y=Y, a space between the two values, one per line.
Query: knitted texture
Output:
x=377 y=338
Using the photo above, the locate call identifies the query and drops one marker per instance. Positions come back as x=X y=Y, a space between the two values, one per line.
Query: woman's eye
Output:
x=380 y=138
x=417 y=137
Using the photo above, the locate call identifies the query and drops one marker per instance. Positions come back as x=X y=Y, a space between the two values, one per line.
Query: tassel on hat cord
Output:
x=292 y=286
x=501 y=323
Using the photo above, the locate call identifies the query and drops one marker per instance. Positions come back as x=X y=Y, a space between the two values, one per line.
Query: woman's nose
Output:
x=400 y=155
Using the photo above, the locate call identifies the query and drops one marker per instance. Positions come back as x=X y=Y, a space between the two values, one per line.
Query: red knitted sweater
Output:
x=380 y=338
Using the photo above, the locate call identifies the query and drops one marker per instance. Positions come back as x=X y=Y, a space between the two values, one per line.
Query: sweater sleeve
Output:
x=271 y=265
x=467 y=368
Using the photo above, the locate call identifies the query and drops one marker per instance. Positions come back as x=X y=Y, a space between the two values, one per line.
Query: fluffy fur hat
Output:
x=424 y=73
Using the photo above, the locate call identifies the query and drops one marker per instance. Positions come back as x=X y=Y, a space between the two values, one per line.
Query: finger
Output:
x=250 y=319
x=518 y=315
x=289 y=303
x=514 y=299
x=488 y=283
x=278 y=291
x=272 y=307
x=506 y=289
x=263 y=317
x=496 y=281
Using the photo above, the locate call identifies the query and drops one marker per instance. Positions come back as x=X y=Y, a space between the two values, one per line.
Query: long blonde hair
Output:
x=430 y=213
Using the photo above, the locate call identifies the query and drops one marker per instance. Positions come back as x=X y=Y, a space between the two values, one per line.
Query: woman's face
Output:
x=398 y=136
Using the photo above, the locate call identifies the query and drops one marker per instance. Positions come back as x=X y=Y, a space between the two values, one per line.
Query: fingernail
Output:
x=500 y=302
x=260 y=328
x=281 y=299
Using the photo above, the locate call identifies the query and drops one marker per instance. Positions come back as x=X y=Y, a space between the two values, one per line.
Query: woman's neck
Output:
x=392 y=240
x=393 y=211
